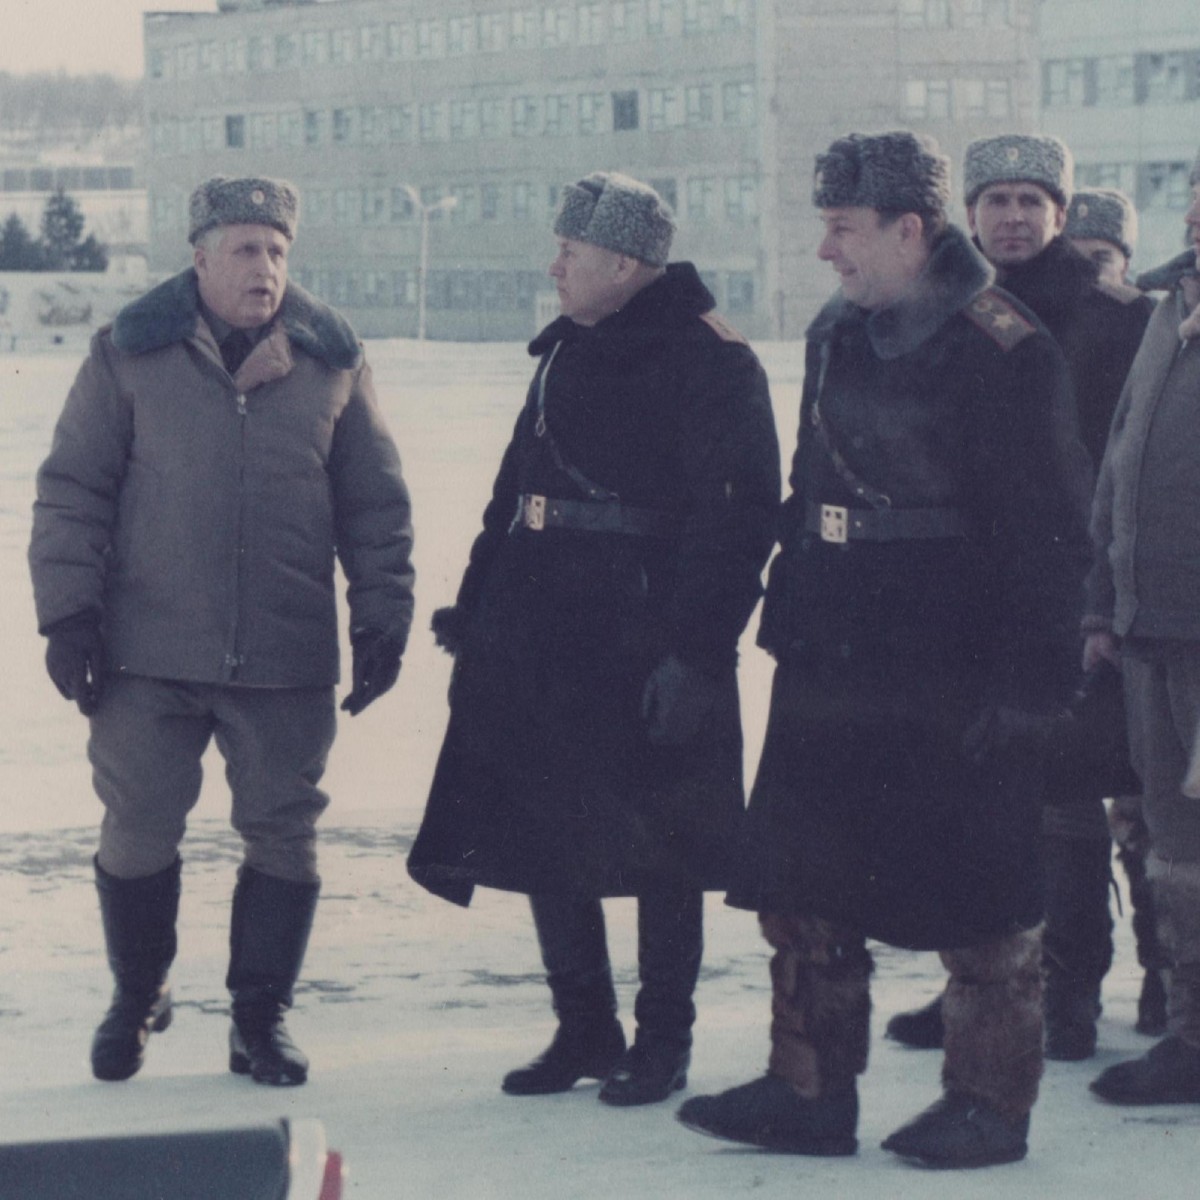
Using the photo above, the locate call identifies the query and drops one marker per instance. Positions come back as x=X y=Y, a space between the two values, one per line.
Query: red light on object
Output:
x=331 y=1185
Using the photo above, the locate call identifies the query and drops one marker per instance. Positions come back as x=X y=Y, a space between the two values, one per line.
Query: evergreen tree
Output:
x=62 y=225
x=90 y=255
x=18 y=250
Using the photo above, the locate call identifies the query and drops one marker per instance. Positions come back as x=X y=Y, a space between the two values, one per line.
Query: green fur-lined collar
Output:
x=168 y=312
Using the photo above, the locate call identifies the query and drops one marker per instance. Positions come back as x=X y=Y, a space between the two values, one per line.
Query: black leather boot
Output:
x=269 y=930
x=589 y=1040
x=670 y=947
x=1152 y=1005
x=1169 y=1073
x=138 y=916
x=920 y=1029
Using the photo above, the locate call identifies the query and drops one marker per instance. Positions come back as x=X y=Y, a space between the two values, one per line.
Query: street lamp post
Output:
x=443 y=205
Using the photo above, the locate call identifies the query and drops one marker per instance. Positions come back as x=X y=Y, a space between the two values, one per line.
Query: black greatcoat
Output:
x=866 y=809
x=546 y=780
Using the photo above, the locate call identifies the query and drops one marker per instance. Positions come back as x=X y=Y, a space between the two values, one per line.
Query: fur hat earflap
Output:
x=618 y=213
x=893 y=172
x=1019 y=158
x=1104 y=213
x=223 y=200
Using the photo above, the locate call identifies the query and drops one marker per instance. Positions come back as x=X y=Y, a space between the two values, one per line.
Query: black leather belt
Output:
x=837 y=524
x=592 y=516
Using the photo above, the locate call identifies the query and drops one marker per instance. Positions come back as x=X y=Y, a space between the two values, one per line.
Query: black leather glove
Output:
x=676 y=700
x=376 y=668
x=74 y=660
x=449 y=627
x=1000 y=727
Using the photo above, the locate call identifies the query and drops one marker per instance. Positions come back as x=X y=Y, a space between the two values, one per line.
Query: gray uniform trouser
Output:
x=1162 y=696
x=147 y=739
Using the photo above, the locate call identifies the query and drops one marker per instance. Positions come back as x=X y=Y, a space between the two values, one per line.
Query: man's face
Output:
x=1015 y=222
x=242 y=273
x=1109 y=258
x=588 y=280
x=1192 y=219
x=873 y=260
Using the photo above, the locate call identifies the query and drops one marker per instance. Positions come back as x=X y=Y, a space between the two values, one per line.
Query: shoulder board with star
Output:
x=1126 y=293
x=722 y=328
x=999 y=319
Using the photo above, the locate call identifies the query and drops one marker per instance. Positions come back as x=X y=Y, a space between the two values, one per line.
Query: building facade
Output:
x=475 y=112
x=1121 y=86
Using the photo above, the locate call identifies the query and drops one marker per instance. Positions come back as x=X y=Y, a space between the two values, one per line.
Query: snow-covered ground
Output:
x=411 y=1009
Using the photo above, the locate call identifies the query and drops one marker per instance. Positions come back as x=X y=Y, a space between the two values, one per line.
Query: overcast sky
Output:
x=80 y=36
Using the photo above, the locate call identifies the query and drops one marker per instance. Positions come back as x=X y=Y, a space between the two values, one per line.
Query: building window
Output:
x=372 y=43
x=1065 y=83
x=235 y=132
x=1164 y=186
x=399 y=42
x=258 y=54
x=525 y=27
x=522 y=201
x=466 y=207
x=986 y=14
x=590 y=20
x=557 y=116
x=699 y=109
x=556 y=25
x=430 y=39
x=459 y=31
x=735 y=14
x=235 y=56
x=210 y=58
x=591 y=110
x=186 y=61
x=210 y=133
x=314 y=47
x=1115 y=81
x=667 y=190
x=924 y=14
x=491 y=32
x=658 y=16
x=347 y=206
x=156 y=63
x=403 y=209
x=737 y=103
x=662 y=108
x=491 y=118
x=373 y=122
x=286 y=50
x=927 y=99
x=374 y=205
x=625 y=20
x=739 y=292
x=430 y=127
x=318 y=206
x=399 y=123
x=464 y=120
x=1107 y=175
x=1163 y=77
x=625 y=110
x=980 y=98
x=699 y=16
x=404 y=289
x=344 y=126
x=526 y=116
x=489 y=201
x=314 y=127
x=341 y=46
x=262 y=131
x=701 y=199
x=291 y=129
x=741 y=198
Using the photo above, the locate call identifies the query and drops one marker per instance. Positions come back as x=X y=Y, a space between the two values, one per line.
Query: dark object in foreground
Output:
x=958 y=1131
x=283 y=1160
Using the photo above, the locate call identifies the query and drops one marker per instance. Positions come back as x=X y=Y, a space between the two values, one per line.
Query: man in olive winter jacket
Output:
x=220 y=448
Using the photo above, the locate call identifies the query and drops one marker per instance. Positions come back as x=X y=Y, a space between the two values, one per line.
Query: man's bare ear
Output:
x=912 y=227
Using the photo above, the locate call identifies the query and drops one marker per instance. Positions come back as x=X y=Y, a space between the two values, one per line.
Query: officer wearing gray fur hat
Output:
x=220 y=449
x=921 y=612
x=594 y=747
x=1017 y=188
x=1102 y=225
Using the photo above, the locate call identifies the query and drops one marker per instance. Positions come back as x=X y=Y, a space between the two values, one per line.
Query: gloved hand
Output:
x=676 y=700
x=74 y=660
x=1000 y=727
x=376 y=668
x=449 y=627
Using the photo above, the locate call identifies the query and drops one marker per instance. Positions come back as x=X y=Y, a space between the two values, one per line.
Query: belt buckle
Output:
x=834 y=523
x=535 y=512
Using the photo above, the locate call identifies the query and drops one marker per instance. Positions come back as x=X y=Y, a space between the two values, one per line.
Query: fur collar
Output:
x=954 y=275
x=168 y=313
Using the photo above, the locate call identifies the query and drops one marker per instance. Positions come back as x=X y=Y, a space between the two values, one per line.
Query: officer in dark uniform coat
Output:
x=922 y=610
x=594 y=746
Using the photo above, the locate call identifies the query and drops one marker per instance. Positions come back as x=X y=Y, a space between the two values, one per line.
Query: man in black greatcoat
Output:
x=1018 y=192
x=922 y=611
x=594 y=747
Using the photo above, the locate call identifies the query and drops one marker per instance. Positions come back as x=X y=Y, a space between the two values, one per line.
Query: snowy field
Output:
x=410 y=1009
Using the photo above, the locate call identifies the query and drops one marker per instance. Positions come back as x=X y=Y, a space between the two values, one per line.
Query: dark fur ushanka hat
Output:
x=1019 y=158
x=618 y=213
x=893 y=172
x=223 y=200
x=1104 y=213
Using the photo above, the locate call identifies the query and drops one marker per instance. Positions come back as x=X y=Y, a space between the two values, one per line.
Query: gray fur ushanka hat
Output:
x=1104 y=213
x=223 y=200
x=894 y=172
x=618 y=213
x=1019 y=158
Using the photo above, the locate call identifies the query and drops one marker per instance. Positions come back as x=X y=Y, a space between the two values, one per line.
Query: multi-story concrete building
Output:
x=479 y=110
x=1121 y=85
